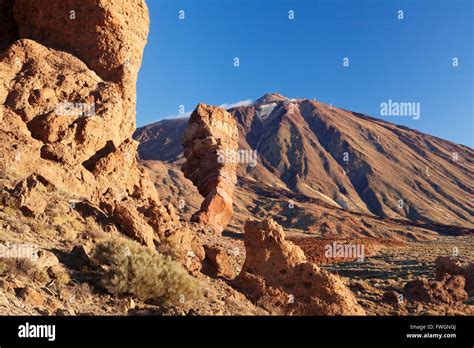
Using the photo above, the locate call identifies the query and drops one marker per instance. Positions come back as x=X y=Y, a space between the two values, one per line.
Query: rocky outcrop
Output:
x=450 y=266
x=67 y=109
x=108 y=36
x=210 y=148
x=277 y=276
x=447 y=265
x=448 y=291
x=28 y=196
x=452 y=285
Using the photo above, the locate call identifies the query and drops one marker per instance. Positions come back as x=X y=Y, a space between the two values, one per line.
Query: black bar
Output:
x=223 y=331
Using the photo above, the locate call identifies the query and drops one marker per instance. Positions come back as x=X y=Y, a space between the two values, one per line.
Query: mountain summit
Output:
x=270 y=98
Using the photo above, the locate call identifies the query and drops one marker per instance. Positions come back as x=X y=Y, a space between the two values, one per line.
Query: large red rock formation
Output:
x=108 y=35
x=277 y=276
x=450 y=290
x=67 y=110
x=210 y=148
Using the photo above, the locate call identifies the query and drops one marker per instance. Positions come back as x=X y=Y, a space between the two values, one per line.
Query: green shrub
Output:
x=130 y=268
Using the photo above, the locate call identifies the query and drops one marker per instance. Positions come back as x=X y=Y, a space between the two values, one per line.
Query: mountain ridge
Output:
x=353 y=161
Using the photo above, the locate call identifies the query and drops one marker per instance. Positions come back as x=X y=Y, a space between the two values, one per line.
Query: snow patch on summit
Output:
x=265 y=110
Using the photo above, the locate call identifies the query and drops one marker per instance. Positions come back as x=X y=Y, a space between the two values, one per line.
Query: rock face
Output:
x=67 y=109
x=276 y=275
x=31 y=296
x=210 y=148
x=108 y=35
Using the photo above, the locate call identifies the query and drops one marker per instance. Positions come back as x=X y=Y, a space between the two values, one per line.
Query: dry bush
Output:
x=10 y=211
x=82 y=291
x=23 y=267
x=43 y=229
x=131 y=268
x=93 y=230
x=59 y=274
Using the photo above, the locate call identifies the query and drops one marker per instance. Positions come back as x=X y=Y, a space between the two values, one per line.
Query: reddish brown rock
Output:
x=276 y=275
x=391 y=297
x=67 y=109
x=133 y=224
x=468 y=273
x=28 y=194
x=31 y=296
x=210 y=146
x=218 y=263
x=447 y=265
x=109 y=36
x=448 y=291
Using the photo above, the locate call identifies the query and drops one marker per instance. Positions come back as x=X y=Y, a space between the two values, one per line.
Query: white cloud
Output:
x=183 y=115
x=224 y=106
x=227 y=106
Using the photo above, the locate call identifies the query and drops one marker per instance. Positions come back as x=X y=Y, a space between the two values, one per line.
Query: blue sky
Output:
x=192 y=60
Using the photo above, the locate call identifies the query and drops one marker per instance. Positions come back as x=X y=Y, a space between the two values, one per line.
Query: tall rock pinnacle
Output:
x=210 y=148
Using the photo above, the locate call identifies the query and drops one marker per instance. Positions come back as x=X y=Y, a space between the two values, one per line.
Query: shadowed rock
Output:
x=277 y=276
x=448 y=291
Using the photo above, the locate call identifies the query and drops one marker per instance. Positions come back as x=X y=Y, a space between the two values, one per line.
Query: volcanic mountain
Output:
x=311 y=152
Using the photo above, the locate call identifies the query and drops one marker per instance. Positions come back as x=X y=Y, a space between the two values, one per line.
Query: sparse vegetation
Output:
x=23 y=267
x=130 y=268
x=93 y=230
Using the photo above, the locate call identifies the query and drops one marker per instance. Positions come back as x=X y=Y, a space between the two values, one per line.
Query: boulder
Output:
x=449 y=291
x=31 y=296
x=447 y=265
x=29 y=195
x=210 y=148
x=134 y=224
x=81 y=255
x=277 y=276
x=391 y=297
x=218 y=263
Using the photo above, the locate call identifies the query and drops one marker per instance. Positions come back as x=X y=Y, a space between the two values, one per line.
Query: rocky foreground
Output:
x=83 y=229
